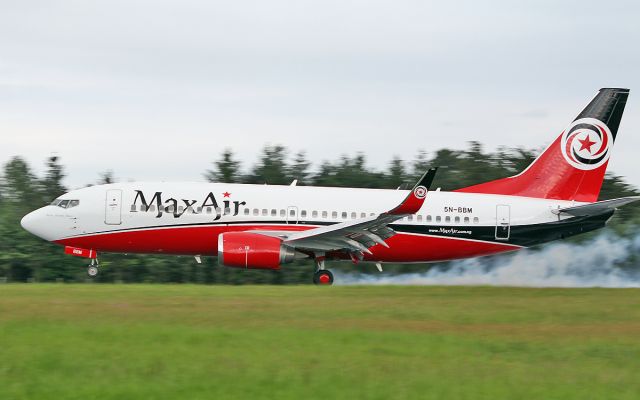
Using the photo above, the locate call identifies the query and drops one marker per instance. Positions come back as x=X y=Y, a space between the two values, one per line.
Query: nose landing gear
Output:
x=92 y=269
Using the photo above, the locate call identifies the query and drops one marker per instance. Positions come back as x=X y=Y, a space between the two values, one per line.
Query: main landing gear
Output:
x=92 y=269
x=322 y=276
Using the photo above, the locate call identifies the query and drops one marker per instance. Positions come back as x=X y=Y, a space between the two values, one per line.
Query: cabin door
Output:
x=113 y=207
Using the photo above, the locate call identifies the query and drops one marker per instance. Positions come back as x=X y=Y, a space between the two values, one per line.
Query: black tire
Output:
x=323 y=277
x=92 y=271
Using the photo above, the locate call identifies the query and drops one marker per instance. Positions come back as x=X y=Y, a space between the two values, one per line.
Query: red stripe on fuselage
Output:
x=202 y=240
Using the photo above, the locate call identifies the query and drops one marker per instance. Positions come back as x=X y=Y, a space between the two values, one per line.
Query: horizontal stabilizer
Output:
x=598 y=207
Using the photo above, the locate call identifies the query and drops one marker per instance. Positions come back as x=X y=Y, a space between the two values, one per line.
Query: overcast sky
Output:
x=155 y=90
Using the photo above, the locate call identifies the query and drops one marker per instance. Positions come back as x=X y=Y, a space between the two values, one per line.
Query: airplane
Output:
x=266 y=226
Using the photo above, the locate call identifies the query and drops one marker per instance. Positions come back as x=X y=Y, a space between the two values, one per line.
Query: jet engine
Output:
x=254 y=251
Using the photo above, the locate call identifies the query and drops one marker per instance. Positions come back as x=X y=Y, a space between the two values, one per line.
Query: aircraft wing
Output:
x=358 y=235
x=598 y=207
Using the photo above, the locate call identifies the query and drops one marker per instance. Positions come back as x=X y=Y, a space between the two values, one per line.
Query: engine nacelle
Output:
x=253 y=251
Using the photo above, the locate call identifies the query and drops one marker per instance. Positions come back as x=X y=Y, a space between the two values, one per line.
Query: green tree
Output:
x=299 y=169
x=349 y=172
x=227 y=169
x=52 y=183
x=397 y=175
x=271 y=168
x=20 y=184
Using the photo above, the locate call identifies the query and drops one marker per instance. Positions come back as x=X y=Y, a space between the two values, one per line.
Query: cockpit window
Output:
x=65 y=203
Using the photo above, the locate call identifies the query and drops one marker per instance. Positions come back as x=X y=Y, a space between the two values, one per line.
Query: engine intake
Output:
x=253 y=251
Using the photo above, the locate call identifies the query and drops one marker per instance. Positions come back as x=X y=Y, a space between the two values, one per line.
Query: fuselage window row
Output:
x=304 y=214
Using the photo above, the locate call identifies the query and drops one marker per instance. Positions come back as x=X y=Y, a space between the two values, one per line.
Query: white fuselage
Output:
x=184 y=218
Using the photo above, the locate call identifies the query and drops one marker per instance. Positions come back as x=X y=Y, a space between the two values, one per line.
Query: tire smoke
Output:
x=608 y=260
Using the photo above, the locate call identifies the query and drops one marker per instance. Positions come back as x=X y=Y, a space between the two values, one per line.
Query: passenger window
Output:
x=180 y=209
x=227 y=211
x=292 y=212
x=476 y=220
x=256 y=211
x=447 y=219
x=354 y=215
x=134 y=209
x=142 y=207
x=265 y=212
x=438 y=218
x=466 y=220
x=428 y=218
x=208 y=210
x=457 y=219
x=274 y=212
x=363 y=215
x=283 y=213
x=152 y=208
x=246 y=211
x=314 y=214
x=200 y=210
x=218 y=210
x=303 y=213
x=419 y=218
x=334 y=214
x=344 y=215
x=410 y=218
x=325 y=214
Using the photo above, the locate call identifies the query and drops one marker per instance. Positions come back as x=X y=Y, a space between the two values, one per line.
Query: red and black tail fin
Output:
x=573 y=166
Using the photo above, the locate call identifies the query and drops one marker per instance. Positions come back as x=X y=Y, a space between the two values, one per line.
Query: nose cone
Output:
x=35 y=223
x=28 y=222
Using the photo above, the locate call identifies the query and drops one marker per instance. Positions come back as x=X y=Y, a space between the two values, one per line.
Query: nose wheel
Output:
x=323 y=277
x=92 y=269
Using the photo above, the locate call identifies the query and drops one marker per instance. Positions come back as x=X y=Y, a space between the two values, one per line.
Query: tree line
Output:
x=24 y=257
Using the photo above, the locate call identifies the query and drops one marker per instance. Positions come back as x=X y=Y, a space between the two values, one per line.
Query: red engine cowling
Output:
x=253 y=251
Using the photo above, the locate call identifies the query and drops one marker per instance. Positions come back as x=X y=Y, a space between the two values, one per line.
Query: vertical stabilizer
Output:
x=573 y=166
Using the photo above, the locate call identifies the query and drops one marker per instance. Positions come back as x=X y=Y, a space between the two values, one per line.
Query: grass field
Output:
x=222 y=342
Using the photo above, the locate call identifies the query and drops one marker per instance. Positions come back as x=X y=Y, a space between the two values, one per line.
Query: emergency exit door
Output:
x=503 y=222
x=113 y=207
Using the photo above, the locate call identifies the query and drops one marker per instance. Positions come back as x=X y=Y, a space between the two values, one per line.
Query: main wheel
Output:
x=323 y=277
x=92 y=271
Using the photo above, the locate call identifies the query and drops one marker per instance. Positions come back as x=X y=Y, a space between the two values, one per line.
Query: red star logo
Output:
x=226 y=194
x=586 y=143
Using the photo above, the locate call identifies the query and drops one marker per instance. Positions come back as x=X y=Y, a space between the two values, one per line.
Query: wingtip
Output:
x=427 y=178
